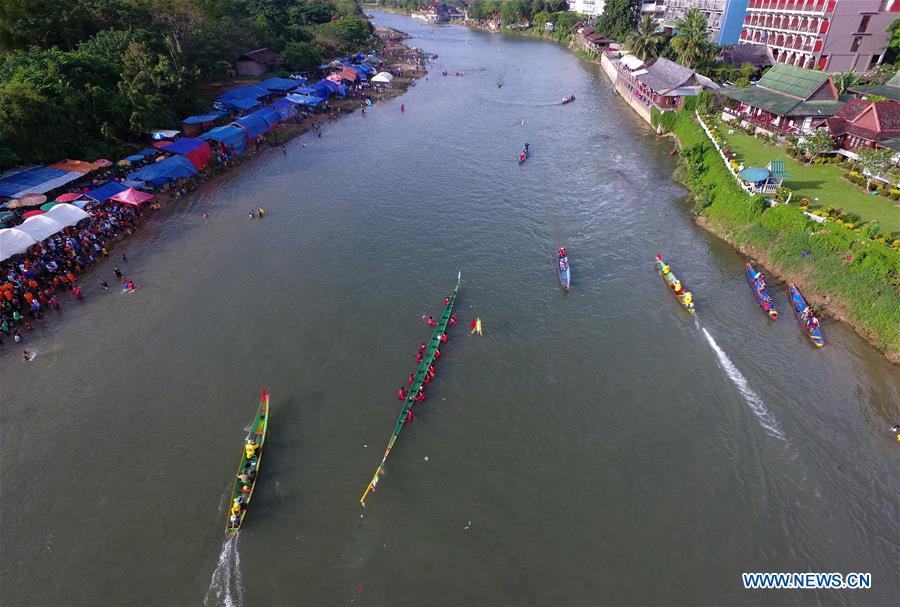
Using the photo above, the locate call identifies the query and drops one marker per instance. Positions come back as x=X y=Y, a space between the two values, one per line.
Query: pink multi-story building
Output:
x=830 y=35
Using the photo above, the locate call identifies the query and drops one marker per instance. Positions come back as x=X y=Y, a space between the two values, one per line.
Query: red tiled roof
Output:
x=887 y=115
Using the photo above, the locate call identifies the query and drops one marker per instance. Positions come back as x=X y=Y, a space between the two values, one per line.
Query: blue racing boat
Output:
x=563 y=269
x=761 y=291
x=805 y=316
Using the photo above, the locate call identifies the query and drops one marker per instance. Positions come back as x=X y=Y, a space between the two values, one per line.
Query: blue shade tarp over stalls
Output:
x=164 y=171
x=231 y=136
x=279 y=84
x=309 y=91
x=149 y=152
x=269 y=115
x=285 y=109
x=307 y=100
x=134 y=158
x=244 y=105
x=184 y=146
x=202 y=118
x=244 y=92
x=254 y=126
x=37 y=179
x=106 y=191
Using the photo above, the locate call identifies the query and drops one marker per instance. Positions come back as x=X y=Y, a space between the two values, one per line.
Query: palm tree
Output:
x=644 y=41
x=845 y=80
x=691 y=44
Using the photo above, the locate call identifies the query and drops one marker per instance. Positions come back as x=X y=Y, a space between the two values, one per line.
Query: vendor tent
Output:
x=254 y=126
x=41 y=227
x=201 y=118
x=14 y=241
x=194 y=125
x=195 y=150
x=382 y=78
x=229 y=136
x=164 y=171
x=67 y=214
x=243 y=105
x=285 y=109
x=306 y=100
x=270 y=115
x=133 y=197
x=35 y=179
x=134 y=158
x=79 y=166
x=105 y=191
x=279 y=85
x=244 y=92
x=161 y=134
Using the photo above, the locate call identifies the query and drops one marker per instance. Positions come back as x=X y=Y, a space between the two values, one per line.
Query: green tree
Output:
x=619 y=18
x=644 y=41
x=892 y=52
x=817 y=143
x=514 y=11
x=845 y=81
x=875 y=163
x=691 y=42
x=301 y=56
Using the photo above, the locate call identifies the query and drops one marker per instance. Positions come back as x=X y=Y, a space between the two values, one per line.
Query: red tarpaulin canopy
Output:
x=133 y=197
x=68 y=197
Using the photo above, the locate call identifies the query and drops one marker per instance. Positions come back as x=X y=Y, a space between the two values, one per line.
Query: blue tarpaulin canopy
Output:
x=285 y=109
x=326 y=88
x=200 y=119
x=307 y=100
x=105 y=191
x=308 y=90
x=232 y=137
x=251 y=91
x=269 y=115
x=164 y=171
x=38 y=179
x=149 y=152
x=134 y=158
x=244 y=105
x=254 y=126
x=279 y=84
x=184 y=145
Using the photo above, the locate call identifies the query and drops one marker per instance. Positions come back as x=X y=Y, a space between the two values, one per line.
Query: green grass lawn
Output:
x=813 y=181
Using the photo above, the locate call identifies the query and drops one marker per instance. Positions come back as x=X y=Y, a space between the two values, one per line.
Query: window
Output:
x=864 y=24
x=854 y=46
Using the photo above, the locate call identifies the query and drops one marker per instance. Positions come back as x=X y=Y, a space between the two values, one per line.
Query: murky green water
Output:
x=596 y=448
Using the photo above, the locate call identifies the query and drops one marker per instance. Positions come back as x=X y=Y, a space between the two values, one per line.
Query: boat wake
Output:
x=226 y=587
x=753 y=400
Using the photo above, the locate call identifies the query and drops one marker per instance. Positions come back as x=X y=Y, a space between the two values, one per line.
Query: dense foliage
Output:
x=860 y=275
x=619 y=18
x=79 y=77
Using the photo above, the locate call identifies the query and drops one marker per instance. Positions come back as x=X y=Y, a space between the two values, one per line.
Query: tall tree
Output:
x=619 y=18
x=645 y=40
x=691 y=42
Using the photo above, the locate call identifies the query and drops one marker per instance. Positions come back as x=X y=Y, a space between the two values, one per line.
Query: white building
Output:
x=593 y=8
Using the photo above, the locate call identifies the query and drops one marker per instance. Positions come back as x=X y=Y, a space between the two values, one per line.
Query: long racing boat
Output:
x=248 y=471
x=428 y=358
x=684 y=297
x=806 y=317
x=761 y=291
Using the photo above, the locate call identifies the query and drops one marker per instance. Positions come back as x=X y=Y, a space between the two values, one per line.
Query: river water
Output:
x=600 y=447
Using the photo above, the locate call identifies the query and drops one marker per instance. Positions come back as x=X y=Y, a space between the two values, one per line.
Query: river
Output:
x=600 y=447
